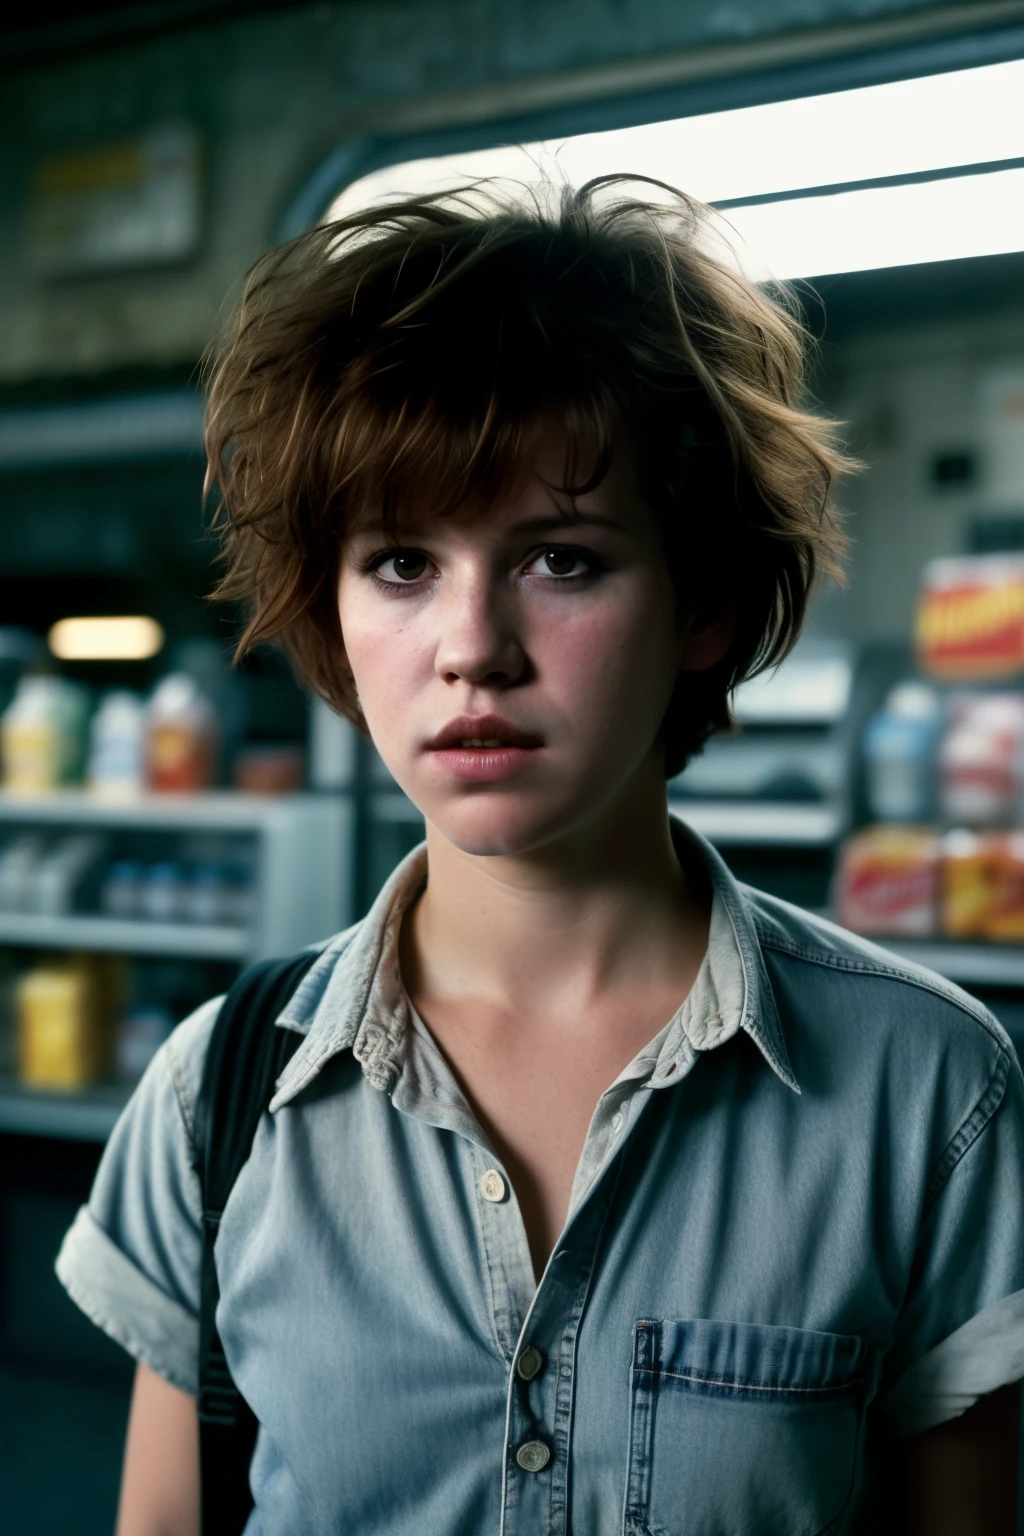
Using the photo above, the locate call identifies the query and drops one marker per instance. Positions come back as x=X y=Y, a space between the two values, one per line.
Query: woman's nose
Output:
x=478 y=640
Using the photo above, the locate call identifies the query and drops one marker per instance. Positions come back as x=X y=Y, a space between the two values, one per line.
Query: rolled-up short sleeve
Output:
x=131 y=1259
x=961 y=1330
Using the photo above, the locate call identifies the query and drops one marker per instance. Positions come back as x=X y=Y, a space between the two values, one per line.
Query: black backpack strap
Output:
x=245 y=1058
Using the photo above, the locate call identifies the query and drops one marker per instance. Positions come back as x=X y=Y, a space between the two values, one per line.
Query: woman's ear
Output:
x=707 y=637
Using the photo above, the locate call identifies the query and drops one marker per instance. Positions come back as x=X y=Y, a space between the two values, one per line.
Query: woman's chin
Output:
x=495 y=830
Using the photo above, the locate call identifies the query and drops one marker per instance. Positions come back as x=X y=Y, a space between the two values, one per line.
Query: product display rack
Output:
x=762 y=823
x=86 y=1116
x=122 y=936
x=299 y=848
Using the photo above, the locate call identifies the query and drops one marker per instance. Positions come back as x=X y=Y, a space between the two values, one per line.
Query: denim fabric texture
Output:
x=798 y=1212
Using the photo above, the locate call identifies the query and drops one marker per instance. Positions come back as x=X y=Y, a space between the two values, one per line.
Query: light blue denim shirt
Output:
x=797 y=1212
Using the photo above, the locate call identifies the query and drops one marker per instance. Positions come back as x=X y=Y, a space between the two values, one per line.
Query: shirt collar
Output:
x=352 y=998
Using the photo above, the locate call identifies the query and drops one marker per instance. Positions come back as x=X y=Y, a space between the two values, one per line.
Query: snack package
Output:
x=59 y=1034
x=970 y=619
x=981 y=760
x=1004 y=919
x=888 y=882
x=969 y=881
x=65 y=1011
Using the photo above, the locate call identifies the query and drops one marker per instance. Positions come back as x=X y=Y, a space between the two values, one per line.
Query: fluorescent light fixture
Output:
x=962 y=119
x=131 y=637
x=883 y=226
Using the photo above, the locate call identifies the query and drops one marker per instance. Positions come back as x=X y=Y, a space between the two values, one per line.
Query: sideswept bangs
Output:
x=401 y=359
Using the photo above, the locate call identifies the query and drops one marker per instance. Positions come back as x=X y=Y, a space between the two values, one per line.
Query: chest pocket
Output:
x=739 y=1427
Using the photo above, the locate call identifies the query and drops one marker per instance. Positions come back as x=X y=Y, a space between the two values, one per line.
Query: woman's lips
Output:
x=486 y=764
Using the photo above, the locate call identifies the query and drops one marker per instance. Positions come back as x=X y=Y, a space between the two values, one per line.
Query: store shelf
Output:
x=761 y=823
x=215 y=810
x=299 y=848
x=114 y=936
x=135 y=426
x=85 y=1116
x=972 y=965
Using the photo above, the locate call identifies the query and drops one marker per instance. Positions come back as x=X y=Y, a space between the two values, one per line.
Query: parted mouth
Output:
x=482 y=732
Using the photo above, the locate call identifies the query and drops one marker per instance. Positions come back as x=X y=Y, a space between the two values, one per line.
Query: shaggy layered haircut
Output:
x=402 y=358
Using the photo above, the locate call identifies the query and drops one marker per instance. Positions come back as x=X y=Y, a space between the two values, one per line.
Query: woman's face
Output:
x=514 y=668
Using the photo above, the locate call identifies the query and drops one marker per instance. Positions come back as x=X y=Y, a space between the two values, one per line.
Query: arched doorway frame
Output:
x=690 y=97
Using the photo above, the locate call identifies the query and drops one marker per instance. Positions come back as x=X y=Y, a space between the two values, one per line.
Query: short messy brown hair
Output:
x=403 y=355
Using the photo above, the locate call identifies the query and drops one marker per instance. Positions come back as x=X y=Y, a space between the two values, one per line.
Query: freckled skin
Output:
x=589 y=666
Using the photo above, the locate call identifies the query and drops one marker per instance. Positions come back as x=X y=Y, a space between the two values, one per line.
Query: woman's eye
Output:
x=405 y=565
x=562 y=562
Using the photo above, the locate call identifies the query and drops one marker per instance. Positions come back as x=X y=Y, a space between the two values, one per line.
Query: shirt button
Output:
x=492 y=1186
x=530 y=1363
x=533 y=1456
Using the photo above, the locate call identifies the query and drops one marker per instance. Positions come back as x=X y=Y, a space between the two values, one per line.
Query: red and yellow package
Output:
x=888 y=882
x=970 y=619
x=969 y=883
x=1004 y=923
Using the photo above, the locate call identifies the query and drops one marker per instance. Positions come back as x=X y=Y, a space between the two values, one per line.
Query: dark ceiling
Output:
x=51 y=27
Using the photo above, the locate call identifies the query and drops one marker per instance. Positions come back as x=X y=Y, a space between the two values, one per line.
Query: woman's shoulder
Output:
x=184 y=1056
x=878 y=991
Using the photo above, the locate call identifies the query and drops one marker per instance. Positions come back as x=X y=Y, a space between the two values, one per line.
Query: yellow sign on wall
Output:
x=136 y=203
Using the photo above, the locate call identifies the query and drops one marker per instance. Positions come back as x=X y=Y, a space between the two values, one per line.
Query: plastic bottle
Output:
x=120 y=891
x=60 y=874
x=42 y=734
x=207 y=896
x=162 y=893
x=900 y=749
x=117 y=741
x=181 y=737
x=19 y=862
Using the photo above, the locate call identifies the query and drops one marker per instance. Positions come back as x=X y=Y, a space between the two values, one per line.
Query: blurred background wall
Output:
x=272 y=93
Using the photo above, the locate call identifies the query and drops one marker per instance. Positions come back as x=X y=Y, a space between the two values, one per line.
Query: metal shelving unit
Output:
x=113 y=936
x=216 y=810
x=767 y=824
x=301 y=846
x=300 y=851
x=87 y=1116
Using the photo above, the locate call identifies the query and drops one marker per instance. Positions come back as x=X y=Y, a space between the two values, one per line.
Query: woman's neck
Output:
x=607 y=910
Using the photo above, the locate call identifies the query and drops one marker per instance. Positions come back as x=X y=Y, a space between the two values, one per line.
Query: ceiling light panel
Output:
x=127 y=637
x=965 y=117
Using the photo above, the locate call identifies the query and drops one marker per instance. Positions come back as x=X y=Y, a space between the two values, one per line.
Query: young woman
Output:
x=602 y=1194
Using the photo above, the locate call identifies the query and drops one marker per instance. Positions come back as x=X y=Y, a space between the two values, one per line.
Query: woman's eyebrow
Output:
x=558 y=523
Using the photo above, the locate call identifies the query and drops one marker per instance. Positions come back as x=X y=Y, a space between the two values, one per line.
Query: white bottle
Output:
x=43 y=729
x=117 y=743
x=900 y=747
